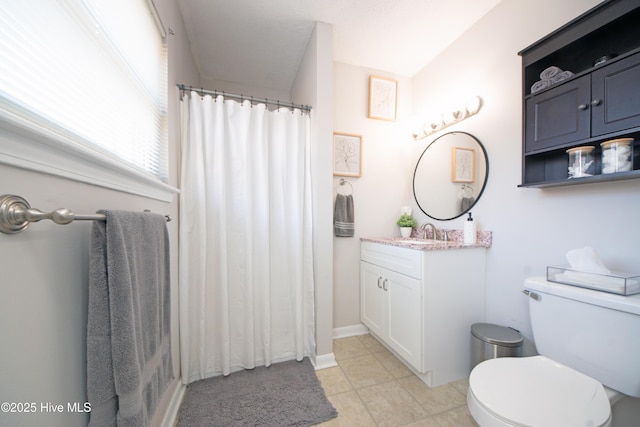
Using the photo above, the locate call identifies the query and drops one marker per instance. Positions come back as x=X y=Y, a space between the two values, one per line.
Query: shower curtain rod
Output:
x=241 y=97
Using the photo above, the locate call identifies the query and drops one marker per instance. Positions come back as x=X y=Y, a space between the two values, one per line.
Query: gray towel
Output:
x=343 y=216
x=549 y=77
x=128 y=327
x=561 y=77
x=549 y=72
x=466 y=203
x=541 y=84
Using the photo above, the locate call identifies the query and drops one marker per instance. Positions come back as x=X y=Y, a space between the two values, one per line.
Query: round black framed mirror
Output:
x=450 y=176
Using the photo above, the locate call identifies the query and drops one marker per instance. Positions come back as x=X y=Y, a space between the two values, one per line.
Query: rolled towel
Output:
x=540 y=84
x=550 y=72
x=561 y=76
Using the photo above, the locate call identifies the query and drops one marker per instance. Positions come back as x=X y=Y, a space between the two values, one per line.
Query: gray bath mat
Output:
x=284 y=394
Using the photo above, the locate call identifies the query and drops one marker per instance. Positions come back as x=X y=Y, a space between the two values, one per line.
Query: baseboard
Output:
x=350 y=331
x=171 y=414
x=323 y=361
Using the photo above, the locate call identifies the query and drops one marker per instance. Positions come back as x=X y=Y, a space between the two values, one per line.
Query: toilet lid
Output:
x=537 y=391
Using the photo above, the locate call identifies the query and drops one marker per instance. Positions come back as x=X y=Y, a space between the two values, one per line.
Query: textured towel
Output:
x=548 y=73
x=343 y=216
x=541 y=84
x=128 y=327
x=561 y=76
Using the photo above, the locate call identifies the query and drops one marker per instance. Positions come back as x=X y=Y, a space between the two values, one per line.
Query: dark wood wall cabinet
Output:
x=581 y=87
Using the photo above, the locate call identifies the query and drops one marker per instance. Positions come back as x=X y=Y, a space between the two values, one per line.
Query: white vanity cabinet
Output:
x=391 y=290
x=421 y=305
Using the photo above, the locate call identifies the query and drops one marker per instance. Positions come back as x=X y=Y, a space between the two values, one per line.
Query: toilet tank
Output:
x=596 y=333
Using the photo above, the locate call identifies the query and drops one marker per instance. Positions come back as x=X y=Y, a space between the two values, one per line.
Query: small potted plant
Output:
x=406 y=224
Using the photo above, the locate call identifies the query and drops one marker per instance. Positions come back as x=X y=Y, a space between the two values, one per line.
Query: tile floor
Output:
x=371 y=387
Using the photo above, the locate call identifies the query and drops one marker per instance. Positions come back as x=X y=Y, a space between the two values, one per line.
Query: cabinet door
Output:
x=558 y=116
x=404 y=317
x=372 y=297
x=616 y=96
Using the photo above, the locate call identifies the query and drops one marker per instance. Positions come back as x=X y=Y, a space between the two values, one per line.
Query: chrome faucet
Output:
x=433 y=228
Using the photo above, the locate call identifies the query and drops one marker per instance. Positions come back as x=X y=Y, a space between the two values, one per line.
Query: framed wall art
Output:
x=463 y=165
x=383 y=98
x=347 y=154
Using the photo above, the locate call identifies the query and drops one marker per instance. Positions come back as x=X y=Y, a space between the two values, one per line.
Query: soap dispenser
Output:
x=470 y=232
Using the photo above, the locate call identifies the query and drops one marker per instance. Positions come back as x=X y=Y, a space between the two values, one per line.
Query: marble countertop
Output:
x=421 y=241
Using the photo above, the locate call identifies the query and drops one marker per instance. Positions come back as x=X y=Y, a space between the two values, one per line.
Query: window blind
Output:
x=91 y=73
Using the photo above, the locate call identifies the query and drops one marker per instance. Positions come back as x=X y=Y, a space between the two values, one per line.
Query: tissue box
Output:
x=615 y=283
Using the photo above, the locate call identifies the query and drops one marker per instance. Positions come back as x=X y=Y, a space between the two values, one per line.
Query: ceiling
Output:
x=261 y=42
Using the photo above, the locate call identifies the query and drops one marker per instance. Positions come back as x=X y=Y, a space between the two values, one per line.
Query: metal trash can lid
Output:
x=495 y=334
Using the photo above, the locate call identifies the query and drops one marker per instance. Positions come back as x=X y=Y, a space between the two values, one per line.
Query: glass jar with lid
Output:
x=617 y=155
x=580 y=161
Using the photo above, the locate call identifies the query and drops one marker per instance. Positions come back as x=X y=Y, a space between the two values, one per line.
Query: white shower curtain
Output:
x=246 y=268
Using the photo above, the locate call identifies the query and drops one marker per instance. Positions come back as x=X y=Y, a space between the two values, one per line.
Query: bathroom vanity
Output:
x=420 y=298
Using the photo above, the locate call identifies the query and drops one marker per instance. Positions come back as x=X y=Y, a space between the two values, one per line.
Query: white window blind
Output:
x=89 y=75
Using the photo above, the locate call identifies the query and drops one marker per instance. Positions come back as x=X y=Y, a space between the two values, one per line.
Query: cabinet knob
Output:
x=582 y=107
x=596 y=102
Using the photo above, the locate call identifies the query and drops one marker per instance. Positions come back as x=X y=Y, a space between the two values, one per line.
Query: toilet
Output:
x=588 y=363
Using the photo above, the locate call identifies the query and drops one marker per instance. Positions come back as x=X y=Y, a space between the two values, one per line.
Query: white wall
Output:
x=532 y=228
x=313 y=86
x=383 y=188
x=44 y=273
x=244 y=89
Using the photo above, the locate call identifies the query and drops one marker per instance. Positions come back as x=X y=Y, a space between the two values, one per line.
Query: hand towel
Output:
x=466 y=203
x=128 y=326
x=343 y=216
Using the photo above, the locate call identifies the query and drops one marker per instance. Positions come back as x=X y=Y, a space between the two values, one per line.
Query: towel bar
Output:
x=16 y=214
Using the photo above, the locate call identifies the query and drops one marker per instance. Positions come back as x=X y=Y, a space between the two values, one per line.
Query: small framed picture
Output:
x=347 y=154
x=383 y=98
x=463 y=164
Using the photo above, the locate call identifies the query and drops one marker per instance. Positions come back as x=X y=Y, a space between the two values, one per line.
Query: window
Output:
x=84 y=81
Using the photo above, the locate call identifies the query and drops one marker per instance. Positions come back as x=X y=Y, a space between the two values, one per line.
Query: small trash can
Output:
x=489 y=341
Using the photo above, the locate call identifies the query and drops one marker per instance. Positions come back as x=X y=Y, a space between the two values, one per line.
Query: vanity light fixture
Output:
x=471 y=107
